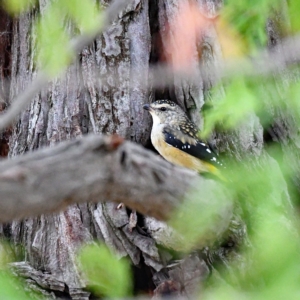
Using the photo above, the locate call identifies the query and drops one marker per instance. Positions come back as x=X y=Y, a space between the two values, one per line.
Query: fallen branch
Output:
x=94 y=168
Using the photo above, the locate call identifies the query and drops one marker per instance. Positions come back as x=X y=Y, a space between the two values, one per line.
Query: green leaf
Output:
x=18 y=6
x=54 y=52
x=249 y=19
x=107 y=275
x=11 y=288
x=200 y=223
x=293 y=11
x=293 y=96
x=84 y=13
x=238 y=102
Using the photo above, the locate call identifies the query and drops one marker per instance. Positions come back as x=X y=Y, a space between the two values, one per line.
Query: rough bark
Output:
x=188 y=95
x=5 y=44
x=5 y=64
x=63 y=111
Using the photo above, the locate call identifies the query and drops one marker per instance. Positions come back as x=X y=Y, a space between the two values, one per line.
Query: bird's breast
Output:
x=175 y=155
x=157 y=137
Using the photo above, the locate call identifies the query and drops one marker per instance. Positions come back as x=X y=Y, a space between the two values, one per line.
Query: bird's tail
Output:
x=215 y=172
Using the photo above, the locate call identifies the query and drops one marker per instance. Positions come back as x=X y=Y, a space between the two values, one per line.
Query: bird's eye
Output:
x=163 y=109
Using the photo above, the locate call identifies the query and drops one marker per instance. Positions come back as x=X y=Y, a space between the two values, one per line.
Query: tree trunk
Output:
x=5 y=68
x=78 y=104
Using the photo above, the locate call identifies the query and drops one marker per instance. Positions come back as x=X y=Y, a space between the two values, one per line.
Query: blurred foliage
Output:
x=84 y=14
x=293 y=13
x=244 y=96
x=249 y=18
x=54 y=52
x=201 y=223
x=52 y=31
x=239 y=99
x=53 y=39
x=18 y=6
x=272 y=269
x=268 y=267
x=107 y=275
x=11 y=287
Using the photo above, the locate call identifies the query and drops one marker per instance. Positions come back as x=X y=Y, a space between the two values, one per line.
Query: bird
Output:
x=175 y=138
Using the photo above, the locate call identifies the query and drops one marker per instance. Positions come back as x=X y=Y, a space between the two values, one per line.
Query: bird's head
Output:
x=165 y=112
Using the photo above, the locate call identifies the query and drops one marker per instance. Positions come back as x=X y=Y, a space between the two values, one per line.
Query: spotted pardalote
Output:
x=174 y=136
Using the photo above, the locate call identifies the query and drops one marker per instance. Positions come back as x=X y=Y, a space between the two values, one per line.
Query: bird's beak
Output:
x=147 y=107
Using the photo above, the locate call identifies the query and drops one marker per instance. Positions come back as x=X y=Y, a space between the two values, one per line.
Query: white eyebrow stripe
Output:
x=156 y=105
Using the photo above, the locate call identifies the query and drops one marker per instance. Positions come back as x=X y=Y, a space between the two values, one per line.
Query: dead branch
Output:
x=94 y=168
